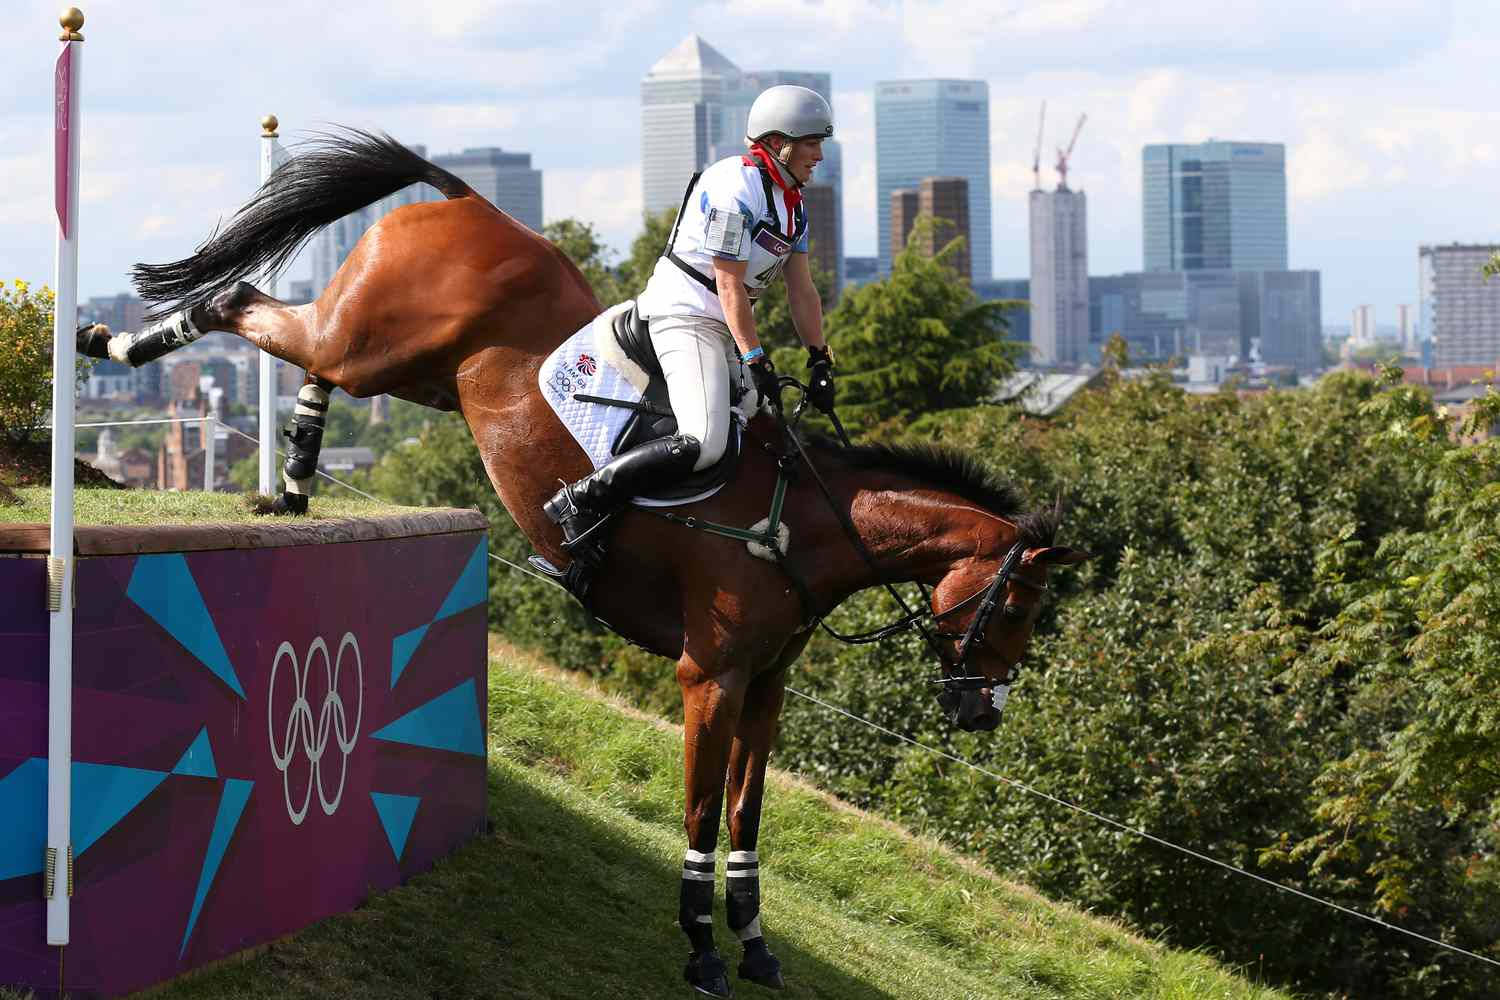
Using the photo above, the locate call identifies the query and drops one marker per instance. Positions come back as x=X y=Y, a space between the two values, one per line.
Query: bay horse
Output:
x=455 y=305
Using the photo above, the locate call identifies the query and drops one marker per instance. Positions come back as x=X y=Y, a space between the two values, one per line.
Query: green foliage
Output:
x=645 y=251
x=26 y=360
x=918 y=342
x=584 y=248
x=1284 y=655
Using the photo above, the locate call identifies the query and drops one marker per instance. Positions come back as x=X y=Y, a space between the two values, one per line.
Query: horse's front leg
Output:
x=748 y=758
x=711 y=711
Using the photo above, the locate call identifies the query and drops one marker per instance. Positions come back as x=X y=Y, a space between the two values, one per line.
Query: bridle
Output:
x=989 y=598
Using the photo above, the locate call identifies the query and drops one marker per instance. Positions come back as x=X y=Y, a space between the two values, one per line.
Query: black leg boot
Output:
x=742 y=892
x=705 y=970
x=578 y=509
x=304 y=440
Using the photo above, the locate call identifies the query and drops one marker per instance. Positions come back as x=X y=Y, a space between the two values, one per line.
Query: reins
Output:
x=953 y=675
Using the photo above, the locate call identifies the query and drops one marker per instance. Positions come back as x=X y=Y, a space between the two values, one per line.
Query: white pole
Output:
x=268 y=133
x=57 y=866
x=208 y=454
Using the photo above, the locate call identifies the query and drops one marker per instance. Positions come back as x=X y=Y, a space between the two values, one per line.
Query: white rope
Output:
x=1012 y=782
x=1141 y=833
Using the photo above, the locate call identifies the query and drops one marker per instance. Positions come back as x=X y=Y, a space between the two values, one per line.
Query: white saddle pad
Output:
x=591 y=363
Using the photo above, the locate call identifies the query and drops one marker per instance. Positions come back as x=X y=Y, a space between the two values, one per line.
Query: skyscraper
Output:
x=1059 y=277
x=1214 y=205
x=695 y=104
x=946 y=201
x=934 y=128
x=507 y=179
x=683 y=118
x=1463 y=307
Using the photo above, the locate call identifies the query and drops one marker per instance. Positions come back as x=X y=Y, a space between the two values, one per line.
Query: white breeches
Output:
x=697 y=356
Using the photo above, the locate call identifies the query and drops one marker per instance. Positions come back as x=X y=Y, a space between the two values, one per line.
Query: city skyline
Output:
x=1383 y=114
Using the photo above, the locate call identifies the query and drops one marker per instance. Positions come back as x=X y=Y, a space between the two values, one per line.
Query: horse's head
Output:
x=986 y=609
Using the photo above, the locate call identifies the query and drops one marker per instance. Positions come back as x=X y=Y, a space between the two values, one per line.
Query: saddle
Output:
x=653 y=417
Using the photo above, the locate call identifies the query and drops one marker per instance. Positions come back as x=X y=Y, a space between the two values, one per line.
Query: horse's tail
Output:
x=334 y=175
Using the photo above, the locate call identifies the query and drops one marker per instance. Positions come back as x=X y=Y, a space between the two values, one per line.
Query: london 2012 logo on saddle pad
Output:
x=572 y=376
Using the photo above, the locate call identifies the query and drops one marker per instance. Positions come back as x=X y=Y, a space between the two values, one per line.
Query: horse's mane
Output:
x=952 y=471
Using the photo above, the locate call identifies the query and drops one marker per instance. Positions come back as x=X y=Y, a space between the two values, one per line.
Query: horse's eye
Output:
x=1015 y=612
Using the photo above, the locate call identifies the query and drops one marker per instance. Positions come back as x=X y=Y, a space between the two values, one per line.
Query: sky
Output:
x=1386 y=108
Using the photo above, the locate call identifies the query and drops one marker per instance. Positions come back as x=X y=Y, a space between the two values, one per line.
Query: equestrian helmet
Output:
x=795 y=112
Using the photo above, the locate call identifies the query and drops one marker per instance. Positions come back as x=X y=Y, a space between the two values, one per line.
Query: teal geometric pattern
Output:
x=231 y=806
x=198 y=761
x=23 y=830
x=163 y=587
x=396 y=813
x=471 y=589
x=472 y=586
x=448 y=722
x=404 y=645
x=103 y=794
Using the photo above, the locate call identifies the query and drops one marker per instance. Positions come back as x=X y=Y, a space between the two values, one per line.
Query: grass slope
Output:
x=572 y=893
x=118 y=506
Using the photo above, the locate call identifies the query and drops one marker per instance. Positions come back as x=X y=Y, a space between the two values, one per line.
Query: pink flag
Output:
x=60 y=131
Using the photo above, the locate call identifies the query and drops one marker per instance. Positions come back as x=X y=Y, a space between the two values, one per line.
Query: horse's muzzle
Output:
x=971 y=711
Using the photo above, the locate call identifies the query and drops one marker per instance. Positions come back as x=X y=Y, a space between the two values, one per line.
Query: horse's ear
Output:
x=1059 y=555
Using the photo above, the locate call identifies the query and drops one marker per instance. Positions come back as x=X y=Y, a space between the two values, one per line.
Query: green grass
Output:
x=93 y=506
x=573 y=893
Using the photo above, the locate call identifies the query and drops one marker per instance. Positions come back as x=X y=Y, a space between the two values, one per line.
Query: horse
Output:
x=453 y=304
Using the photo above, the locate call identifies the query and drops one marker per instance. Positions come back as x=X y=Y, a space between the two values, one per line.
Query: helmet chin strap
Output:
x=783 y=157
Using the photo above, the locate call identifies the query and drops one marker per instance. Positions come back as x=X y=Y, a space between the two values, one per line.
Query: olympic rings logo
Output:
x=308 y=735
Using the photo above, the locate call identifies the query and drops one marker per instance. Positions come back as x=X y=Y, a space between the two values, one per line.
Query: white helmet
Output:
x=795 y=112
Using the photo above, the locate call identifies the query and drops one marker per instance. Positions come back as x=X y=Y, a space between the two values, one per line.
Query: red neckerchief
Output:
x=790 y=193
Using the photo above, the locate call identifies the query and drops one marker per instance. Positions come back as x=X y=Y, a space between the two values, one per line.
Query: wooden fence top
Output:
x=140 y=539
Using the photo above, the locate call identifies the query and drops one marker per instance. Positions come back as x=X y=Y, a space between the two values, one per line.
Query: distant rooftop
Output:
x=693 y=57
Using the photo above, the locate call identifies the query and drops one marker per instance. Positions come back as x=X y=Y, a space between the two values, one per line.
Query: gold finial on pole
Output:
x=268 y=126
x=71 y=20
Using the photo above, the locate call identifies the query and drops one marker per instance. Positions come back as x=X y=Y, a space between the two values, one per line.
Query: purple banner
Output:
x=61 y=129
x=261 y=738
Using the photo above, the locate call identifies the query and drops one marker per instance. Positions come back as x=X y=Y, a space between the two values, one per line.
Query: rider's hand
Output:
x=763 y=374
x=820 y=378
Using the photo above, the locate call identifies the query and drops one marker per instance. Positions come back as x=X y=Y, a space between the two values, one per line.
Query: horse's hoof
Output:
x=286 y=503
x=93 y=340
x=707 y=973
x=762 y=968
x=290 y=503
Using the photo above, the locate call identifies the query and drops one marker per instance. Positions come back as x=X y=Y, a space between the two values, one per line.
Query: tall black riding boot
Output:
x=579 y=508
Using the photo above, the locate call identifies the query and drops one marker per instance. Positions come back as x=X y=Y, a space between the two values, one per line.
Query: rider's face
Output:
x=805 y=155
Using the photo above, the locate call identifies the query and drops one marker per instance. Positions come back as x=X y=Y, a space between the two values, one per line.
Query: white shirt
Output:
x=727 y=216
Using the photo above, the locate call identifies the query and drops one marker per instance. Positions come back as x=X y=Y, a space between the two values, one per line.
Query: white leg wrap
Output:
x=698 y=866
x=750 y=931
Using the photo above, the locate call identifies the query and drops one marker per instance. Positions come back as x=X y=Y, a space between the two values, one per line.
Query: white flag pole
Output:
x=57 y=862
x=268 y=163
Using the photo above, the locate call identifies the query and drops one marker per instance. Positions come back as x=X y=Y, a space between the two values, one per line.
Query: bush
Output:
x=26 y=360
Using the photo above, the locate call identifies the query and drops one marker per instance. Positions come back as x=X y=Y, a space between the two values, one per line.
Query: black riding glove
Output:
x=820 y=378
x=763 y=373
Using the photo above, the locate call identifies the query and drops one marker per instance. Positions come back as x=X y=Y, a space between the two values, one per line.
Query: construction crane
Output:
x=1036 y=158
x=1063 y=154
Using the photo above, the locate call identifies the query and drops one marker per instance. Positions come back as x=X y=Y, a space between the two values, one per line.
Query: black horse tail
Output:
x=327 y=179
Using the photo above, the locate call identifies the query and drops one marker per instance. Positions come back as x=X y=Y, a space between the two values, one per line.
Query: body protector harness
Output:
x=770 y=246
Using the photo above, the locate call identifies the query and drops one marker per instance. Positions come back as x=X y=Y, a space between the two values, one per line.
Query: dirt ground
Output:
x=30 y=464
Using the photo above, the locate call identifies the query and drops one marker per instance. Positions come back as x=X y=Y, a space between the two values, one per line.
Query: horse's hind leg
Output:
x=270 y=324
x=283 y=330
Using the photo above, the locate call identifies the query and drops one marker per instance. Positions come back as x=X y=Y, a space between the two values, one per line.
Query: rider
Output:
x=740 y=226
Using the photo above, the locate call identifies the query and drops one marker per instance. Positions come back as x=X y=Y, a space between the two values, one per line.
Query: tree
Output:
x=918 y=341
x=645 y=251
x=26 y=360
x=582 y=244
